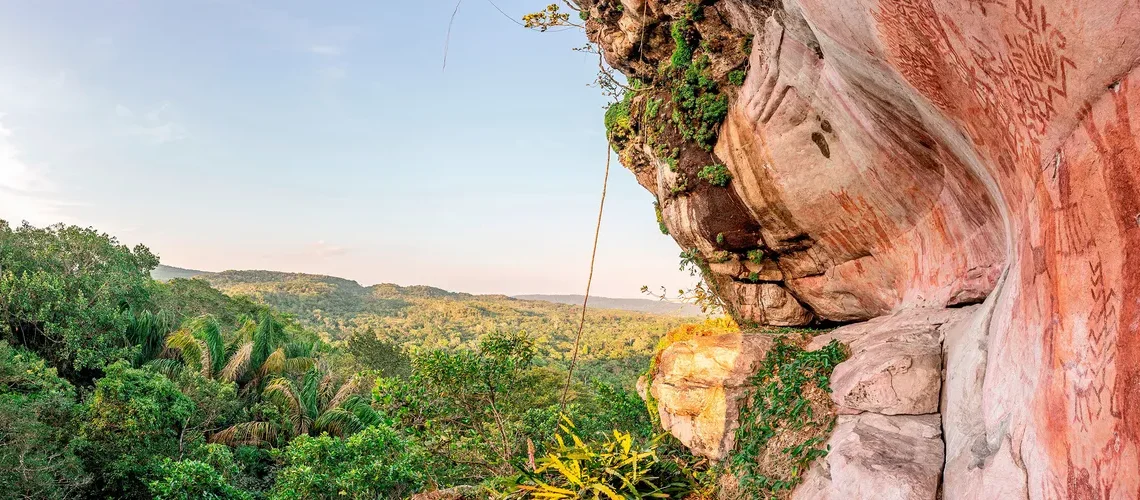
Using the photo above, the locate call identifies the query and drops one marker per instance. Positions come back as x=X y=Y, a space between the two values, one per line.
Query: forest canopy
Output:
x=115 y=385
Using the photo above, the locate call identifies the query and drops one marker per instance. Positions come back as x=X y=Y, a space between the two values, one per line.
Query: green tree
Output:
x=259 y=350
x=598 y=409
x=318 y=405
x=192 y=480
x=133 y=420
x=190 y=298
x=64 y=291
x=37 y=458
x=216 y=406
x=371 y=353
x=375 y=463
x=464 y=406
x=148 y=331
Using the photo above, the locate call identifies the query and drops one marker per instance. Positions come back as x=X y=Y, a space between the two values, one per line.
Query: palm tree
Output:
x=258 y=350
x=147 y=330
x=318 y=405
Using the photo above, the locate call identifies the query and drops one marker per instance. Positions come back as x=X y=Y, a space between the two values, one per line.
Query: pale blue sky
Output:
x=323 y=137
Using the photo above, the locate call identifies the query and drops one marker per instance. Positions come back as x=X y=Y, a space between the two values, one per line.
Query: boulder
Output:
x=698 y=385
x=895 y=362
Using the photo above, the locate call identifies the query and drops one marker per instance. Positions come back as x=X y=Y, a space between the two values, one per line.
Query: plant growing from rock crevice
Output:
x=717 y=175
x=787 y=417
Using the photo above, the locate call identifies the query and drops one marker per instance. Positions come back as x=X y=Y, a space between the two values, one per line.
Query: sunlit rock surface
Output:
x=901 y=154
x=698 y=385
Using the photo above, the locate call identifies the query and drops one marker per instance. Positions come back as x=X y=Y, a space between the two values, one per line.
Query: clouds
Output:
x=24 y=189
x=154 y=125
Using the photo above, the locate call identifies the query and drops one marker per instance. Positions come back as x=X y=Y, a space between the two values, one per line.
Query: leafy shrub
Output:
x=660 y=218
x=191 y=480
x=604 y=408
x=788 y=416
x=618 y=466
x=375 y=463
x=467 y=406
x=132 y=421
x=736 y=77
x=717 y=175
x=652 y=107
x=37 y=458
x=619 y=127
x=699 y=107
x=755 y=256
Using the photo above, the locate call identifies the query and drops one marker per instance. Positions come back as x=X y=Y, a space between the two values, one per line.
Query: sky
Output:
x=324 y=137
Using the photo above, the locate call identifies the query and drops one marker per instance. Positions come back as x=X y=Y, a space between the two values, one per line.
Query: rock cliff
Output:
x=835 y=161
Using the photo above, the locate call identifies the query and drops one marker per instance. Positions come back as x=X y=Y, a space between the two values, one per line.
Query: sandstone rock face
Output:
x=889 y=444
x=901 y=154
x=879 y=457
x=895 y=367
x=889 y=386
x=698 y=384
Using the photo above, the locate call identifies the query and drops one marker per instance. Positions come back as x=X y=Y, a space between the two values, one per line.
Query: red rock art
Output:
x=973 y=150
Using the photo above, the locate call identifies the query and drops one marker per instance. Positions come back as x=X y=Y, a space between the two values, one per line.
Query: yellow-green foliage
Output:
x=717 y=175
x=660 y=218
x=706 y=328
x=615 y=468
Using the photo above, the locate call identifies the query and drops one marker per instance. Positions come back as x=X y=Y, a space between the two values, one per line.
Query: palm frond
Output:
x=268 y=336
x=348 y=389
x=351 y=417
x=192 y=350
x=300 y=349
x=360 y=406
x=247 y=433
x=298 y=365
x=238 y=363
x=274 y=364
x=310 y=392
x=147 y=330
x=211 y=334
x=283 y=393
x=245 y=332
x=338 y=422
x=166 y=366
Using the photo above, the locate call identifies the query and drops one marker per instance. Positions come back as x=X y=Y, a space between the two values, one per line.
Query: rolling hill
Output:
x=167 y=273
x=616 y=341
x=237 y=281
x=637 y=305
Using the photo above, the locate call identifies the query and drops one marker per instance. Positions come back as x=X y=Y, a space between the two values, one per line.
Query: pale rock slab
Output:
x=878 y=457
x=895 y=363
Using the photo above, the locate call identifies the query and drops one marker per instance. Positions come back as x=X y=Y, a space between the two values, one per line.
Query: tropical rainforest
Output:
x=267 y=385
